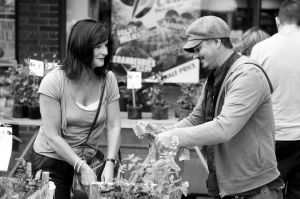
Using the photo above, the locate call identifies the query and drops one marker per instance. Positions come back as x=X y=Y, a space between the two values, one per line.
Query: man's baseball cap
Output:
x=207 y=27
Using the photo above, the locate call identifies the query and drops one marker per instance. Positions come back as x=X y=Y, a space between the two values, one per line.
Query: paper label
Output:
x=36 y=67
x=134 y=80
x=5 y=147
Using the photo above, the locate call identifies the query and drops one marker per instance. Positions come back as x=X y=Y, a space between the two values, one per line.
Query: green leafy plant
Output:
x=155 y=96
x=187 y=98
x=127 y=94
x=18 y=83
x=23 y=184
x=155 y=177
x=155 y=93
x=31 y=93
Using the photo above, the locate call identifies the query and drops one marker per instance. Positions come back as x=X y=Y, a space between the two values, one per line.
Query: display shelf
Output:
x=125 y=122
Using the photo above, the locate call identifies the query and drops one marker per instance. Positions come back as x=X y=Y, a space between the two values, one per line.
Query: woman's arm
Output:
x=113 y=138
x=51 y=119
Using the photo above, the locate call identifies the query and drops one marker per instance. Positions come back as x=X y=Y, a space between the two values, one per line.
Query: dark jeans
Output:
x=288 y=158
x=61 y=173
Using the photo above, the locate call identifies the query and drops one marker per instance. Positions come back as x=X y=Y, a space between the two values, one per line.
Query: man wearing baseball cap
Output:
x=233 y=118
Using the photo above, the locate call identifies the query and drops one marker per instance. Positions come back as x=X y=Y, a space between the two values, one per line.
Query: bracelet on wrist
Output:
x=111 y=160
x=80 y=164
x=76 y=163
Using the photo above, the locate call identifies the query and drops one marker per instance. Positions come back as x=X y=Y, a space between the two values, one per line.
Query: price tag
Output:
x=36 y=67
x=134 y=80
x=5 y=147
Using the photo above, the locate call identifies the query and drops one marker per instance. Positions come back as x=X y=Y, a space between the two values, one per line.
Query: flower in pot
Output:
x=159 y=106
x=129 y=99
x=32 y=98
x=18 y=83
x=134 y=109
x=133 y=106
x=155 y=98
x=186 y=101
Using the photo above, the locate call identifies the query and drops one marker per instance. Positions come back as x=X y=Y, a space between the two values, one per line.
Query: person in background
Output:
x=249 y=38
x=233 y=118
x=279 y=56
x=69 y=98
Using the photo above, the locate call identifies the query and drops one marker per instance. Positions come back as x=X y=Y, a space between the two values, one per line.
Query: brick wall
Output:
x=38 y=28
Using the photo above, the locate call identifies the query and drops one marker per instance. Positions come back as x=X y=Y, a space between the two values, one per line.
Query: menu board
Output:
x=7 y=30
x=148 y=36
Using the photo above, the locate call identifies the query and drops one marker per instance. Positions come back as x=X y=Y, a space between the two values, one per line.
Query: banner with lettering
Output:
x=148 y=36
x=7 y=30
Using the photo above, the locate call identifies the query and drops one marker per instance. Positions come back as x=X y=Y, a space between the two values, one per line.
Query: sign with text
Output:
x=36 y=68
x=149 y=35
x=134 y=80
x=188 y=72
x=5 y=147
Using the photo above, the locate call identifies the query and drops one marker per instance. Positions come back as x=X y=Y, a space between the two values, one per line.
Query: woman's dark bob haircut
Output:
x=85 y=35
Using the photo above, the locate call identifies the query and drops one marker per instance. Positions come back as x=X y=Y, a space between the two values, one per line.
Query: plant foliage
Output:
x=155 y=93
x=19 y=83
x=187 y=98
x=158 y=176
x=23 y=86
x=23 y=184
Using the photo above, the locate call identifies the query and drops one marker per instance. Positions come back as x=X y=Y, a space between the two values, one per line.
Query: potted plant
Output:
x=18 y=84
x=32 y=97
x=186 y=101
x=159 y=106
x=134 y=109
x=155 y=99
x=131 y=101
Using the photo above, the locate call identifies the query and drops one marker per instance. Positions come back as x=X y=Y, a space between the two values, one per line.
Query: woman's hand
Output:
x=87 y=174
x=108 y=172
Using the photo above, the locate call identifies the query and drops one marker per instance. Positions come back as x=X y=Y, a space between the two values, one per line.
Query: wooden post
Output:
x=133 y=98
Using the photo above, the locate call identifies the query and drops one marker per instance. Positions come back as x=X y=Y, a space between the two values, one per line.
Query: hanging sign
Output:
x=5 y=147
x=149 y=35
x=134 y=80
x=188 y=72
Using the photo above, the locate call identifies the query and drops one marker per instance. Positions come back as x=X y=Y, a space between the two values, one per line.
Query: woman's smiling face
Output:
x=99 y=53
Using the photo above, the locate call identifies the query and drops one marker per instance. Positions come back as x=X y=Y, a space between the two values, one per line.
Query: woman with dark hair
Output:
x=69 y=98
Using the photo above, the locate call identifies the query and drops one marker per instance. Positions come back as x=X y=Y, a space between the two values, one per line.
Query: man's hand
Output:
x=163 y=140
x=153 y=128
